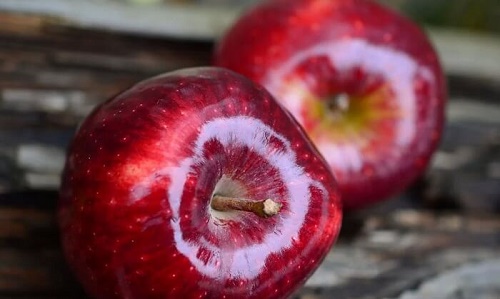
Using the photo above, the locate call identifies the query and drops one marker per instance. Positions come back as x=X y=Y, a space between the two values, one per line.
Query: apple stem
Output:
x=264 y=208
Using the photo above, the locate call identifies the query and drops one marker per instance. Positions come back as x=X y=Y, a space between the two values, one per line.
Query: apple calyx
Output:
x=263 y=208
x=338 y=105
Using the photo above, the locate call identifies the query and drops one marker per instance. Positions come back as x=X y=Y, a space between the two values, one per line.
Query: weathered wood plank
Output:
x=398 y=250
x=463 y=53
x=31 y=262
x=170 y=19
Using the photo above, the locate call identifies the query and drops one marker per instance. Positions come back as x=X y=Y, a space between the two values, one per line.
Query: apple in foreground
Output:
x=195 y=184
x=364 y=82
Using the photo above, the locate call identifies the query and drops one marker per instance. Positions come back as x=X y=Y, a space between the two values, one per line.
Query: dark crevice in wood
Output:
x=478 y=89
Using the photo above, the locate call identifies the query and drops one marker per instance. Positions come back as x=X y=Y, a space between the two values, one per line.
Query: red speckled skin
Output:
x=303 y=49
x=134 y=209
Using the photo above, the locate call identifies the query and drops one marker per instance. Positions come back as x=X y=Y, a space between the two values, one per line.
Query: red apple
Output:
x=364 y=82
x=165 y=186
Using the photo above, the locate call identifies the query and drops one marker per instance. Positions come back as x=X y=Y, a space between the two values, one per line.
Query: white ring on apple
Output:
x=388 y=63
x=247 y=262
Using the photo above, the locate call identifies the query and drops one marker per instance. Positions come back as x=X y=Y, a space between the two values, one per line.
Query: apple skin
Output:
x=311 y=53
x=135 y=214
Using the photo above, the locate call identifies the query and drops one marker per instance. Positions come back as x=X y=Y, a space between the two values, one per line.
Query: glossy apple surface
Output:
x=135 y=210
x=364 y=82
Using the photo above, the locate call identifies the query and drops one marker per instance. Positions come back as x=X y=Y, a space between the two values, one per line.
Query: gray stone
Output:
x=462 y=109
x=42 y=181
x=41 y=158
x=469 y=281
x=347 y=262
x=38 y=100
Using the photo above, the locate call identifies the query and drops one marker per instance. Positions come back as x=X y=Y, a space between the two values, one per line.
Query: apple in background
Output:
x=364 y=82
x=195 y=184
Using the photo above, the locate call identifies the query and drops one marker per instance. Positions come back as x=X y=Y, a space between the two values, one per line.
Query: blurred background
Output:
x=59 y=58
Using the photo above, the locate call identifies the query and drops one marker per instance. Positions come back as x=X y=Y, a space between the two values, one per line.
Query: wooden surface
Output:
x=177 y=18
x=52 y=75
